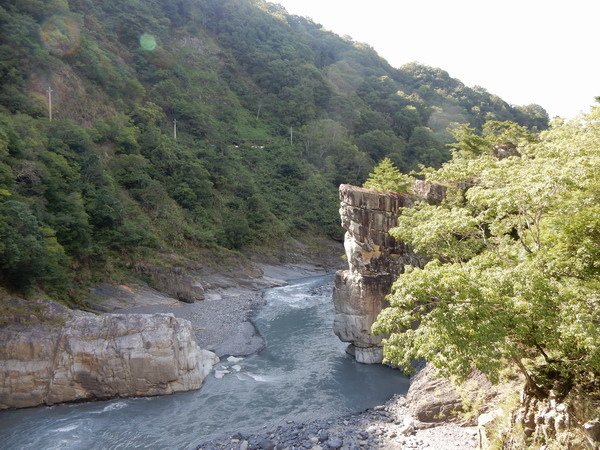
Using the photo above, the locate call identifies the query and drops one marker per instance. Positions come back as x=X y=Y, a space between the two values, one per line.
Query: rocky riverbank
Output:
x=222 y=321
x=389 y=426
x=433 y=415
x=150 y=338
x=217 y=294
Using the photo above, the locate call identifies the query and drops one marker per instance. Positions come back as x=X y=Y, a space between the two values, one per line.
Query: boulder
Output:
x=592 y=432
x=484 y=422
x=177 y=282
x=433 y=399
x=62 y=355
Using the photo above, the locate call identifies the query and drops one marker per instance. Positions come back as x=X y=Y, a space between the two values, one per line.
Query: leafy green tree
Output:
x=533 y=116
x=512 y=277
x=236 y=230
x=386 y=177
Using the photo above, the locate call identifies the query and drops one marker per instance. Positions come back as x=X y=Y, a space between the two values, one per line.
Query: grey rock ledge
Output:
x=72 y=355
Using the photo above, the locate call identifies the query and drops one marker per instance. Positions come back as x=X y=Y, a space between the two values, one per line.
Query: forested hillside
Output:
x=272 y=113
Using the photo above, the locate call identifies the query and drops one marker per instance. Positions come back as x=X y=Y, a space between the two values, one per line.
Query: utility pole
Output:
x=258 y=113
x=175 y=129
x=291 y=135
x=50 y=102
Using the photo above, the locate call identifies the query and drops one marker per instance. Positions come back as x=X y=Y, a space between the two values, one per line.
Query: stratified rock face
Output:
x=73 y=355
x=557 y=419
x=375 y=260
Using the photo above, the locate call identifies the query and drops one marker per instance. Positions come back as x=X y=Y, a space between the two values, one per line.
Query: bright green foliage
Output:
x=514 y=271
x=448 y=234
x=386 y=177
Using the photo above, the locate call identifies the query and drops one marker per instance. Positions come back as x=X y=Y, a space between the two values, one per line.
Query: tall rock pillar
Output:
x=375 y=260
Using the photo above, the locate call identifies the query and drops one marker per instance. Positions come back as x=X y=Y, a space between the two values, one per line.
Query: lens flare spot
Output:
x=61 y=35
x=147 y=42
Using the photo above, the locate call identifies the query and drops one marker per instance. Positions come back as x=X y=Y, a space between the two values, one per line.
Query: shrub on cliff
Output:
x=29 y=252
x=386 y=177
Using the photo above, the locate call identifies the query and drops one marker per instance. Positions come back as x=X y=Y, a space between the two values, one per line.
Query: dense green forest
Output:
x=272 y=111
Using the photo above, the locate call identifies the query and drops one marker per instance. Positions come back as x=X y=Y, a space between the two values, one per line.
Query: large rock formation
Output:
x=60 y=355
x=375 y=260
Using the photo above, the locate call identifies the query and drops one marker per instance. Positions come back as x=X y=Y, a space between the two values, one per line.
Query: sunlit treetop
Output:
x=514 y=271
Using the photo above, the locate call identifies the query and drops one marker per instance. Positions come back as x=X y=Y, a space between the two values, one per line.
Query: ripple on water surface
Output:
x=302 y=374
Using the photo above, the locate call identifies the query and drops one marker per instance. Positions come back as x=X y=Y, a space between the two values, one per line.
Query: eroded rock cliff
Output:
x=60 y=355
x=375 y=260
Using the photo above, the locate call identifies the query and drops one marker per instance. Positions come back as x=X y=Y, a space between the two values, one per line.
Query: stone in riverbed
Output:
x=266 y=444
x=221 y=373
x=233 y=359
x=334 y=443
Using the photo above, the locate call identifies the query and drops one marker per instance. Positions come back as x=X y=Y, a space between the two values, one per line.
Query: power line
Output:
x=50 y=102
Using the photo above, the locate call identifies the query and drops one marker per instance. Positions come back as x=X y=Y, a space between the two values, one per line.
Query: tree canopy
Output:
x=514 y=259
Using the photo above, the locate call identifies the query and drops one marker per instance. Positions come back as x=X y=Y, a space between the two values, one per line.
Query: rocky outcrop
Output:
x=375 y=260
x=569 y=422
x=544 y=418
x=430 y=192
x=565 y=422
x=59 y=355
x=177 y=282
x=433 y=399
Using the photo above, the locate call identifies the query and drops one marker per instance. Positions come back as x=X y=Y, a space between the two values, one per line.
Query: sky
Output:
x=525 y=51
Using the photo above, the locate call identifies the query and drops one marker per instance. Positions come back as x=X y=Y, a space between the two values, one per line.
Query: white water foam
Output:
x=71 y=427
x=114 y=406
x=262 y=378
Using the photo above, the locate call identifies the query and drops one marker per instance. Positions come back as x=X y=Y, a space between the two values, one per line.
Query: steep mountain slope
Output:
x=272 y=112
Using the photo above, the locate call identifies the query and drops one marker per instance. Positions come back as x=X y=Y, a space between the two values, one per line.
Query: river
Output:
x=302 y=374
